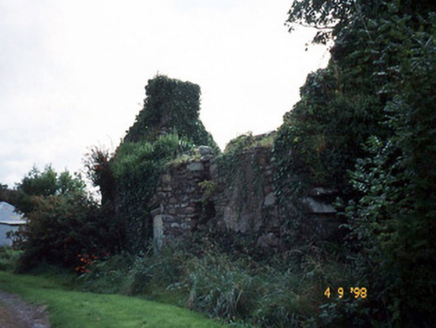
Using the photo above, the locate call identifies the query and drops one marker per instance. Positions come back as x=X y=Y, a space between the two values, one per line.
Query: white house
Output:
x=9 y=221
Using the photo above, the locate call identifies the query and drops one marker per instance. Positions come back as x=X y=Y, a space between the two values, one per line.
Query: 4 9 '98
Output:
x=356 y=292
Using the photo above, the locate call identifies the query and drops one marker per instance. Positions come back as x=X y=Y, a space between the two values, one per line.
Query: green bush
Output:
x=9 y=258
x=287 y=290
x=46 y=183
x=61 y=227
x=158 y=271
x=382 y=73
x=108 y=275
x=219 y=286
x=136 y=168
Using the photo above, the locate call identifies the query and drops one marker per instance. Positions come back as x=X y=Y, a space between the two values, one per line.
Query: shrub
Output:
x=8 y=258
x=136 y=167
x=158 y=271
x=108 y=275
x=46 y=183
x=219 y=286
x=61 y=227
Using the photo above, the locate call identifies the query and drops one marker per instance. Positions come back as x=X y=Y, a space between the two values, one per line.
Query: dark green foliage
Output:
x=37 y=183
x=323 y=134
x=167 y=127
x=394 y=218
x=58 y=229
x=381 y=110
x=49 y=183
x=136 y=168
x=62 y=221
x=8 y=258
x=323 y=15
x=46 y=183
x=171 y=106
x=99 y=172
x=334 y=18
x=320 y=140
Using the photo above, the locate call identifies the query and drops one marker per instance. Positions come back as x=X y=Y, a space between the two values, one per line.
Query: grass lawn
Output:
x=70 y=309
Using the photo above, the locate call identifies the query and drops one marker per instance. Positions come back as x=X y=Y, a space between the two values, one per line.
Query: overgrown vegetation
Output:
x=9 y=258
x=232 y=163
x=136 y=168
x=283 y=291
x=171 y=106
x=61 y=217
x=166 y=130
x=365 y=127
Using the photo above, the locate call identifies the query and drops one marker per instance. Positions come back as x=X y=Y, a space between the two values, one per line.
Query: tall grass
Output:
x=108 y=276
x=286 y=290
x=219 y=286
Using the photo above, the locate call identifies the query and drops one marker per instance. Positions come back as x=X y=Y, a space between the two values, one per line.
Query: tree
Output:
x=45 y=184
x=63 y=221
x=383 y=71
x=336 y=19
x=394 y=216
x=48 y=183
x=97 y=165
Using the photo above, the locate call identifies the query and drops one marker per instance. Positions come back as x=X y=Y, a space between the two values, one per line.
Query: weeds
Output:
x=285 y=290
x=9 y=258
x=219 y=286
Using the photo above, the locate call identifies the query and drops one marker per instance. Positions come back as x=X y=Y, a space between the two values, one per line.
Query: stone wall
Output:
x=244 y=204
x=178 y=203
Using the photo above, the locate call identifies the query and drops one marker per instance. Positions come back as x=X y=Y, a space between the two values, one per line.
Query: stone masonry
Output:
x=245 y=205
x=178 y=200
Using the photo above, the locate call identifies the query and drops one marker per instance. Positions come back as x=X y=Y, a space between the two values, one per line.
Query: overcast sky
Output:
x=72 y=72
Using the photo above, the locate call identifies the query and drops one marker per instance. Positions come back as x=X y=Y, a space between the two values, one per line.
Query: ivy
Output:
x=394 y=216
x=137 y=167
x=239 y=153
x=239 y=172
x=371 y=113
x=171 y=106
x=166 y=130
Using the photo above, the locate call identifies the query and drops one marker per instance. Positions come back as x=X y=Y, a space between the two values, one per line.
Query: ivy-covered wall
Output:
x=179 y=204
x=167 y=128
x=235 y=193
x=168 y=179
x=245 y=199
x=170 y=106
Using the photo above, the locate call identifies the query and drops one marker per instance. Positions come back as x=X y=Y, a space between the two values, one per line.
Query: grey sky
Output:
x=72 y=72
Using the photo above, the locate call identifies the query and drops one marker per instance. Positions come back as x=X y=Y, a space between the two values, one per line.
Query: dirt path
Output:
x=14 y=313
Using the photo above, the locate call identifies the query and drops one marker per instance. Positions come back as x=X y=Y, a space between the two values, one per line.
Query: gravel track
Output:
x=14 y=313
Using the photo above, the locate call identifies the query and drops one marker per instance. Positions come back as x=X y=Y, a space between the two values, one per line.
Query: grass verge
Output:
x=70 y=309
